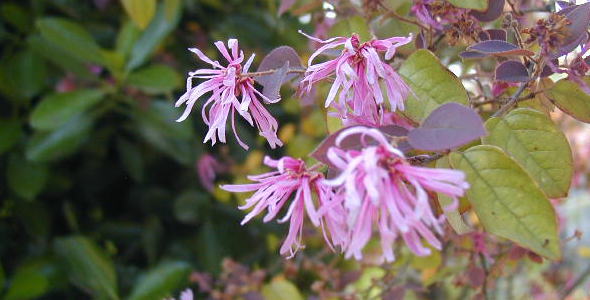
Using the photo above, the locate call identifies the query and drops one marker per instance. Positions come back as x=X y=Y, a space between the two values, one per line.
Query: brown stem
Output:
x=268 y=72
x=392 y=13
x=580 y=280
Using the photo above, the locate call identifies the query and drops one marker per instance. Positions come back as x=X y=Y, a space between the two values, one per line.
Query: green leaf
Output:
x=132 y=159
x=480 y=5
x=570 y=98
x=507 y=200
x=61 y=142
x=25 y=73
x=532 y=139
x=348 y=26
x=431 y=82
x=281 y=289
x=26 y=179
x=57 y=109
x=188 y=206
x=10 y=133
x=157 y=126
x=2 y=278
x=155 y=79
x=166 y=19
x=161 y=281
x=453 y=217
x=87 y=266
x=72 y=38
x=127 y=36
x=58 y=56
x=27 y=283
x=140 y=11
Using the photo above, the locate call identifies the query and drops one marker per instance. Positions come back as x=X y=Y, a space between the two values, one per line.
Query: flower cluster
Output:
x=457 y=23
x=226 y=84
x=359 y=72
x=377 y=189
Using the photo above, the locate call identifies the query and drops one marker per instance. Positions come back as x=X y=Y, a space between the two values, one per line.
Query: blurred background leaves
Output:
x=100 y=195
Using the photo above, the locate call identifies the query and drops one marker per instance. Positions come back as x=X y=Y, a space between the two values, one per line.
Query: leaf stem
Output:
x=268 y=72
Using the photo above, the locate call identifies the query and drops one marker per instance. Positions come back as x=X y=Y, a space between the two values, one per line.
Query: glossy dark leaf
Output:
x=161 y=281
x=499 y=48
x=449 y=126
x=165 y=20
x=512 y=71
x=57 y=109
x=494 y=11
x=155 y=79
x=26 y=179
x=87 y=266
x=10 y=133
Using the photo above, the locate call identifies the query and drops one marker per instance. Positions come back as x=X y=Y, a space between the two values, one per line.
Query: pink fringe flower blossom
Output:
x=274 y=189
x=225 y=85
x=380 y=188
x=359 y=72
x=207 y=168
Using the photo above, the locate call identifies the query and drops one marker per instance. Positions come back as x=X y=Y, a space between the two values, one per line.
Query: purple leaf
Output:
x=353 y=142
x=499 y=48
x=494 y=34
x=276 y=59
x=564 y=4
x=285 y=6
x=512 y=71
x=449 y=126
x=494 y=11
x=579 y=16
x=420 y=41
x=547 y=70
x=472 y=55
x=271 y=85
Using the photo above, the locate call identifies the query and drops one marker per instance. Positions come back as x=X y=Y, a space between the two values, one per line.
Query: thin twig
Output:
x=268 y=72
x=580 y=280
x=392 y=13
x=484 y=266
x=513 y=100
x=424 y=159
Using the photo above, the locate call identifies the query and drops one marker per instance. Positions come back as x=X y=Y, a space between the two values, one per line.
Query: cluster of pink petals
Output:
x=377 y=189
x=381 y=189
x=577 y=69
x=273 y=190
x=359 y=74
x=421 y=10
x=226 y=85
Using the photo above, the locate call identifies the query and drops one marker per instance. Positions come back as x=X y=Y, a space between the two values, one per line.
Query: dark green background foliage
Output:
x=100 y=186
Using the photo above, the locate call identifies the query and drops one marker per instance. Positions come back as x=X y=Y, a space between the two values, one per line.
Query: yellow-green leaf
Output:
x=431 y=82
x=532 y=139
x=281 y=289
x=453 y=217
x=140 y=11
x=570 y=98
x=507 y=200
x=471 y=4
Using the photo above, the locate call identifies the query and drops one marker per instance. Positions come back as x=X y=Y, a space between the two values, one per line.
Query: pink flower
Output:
x=207 y=169
x=225 y=85
x=421 y=9
x=273 y=191
x=359 y=72
x=380 y=188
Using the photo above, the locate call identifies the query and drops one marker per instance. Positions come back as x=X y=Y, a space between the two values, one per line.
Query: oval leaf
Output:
x=532 y=139
x=71 y=38
x=165 y=20
x=61 y=142
x=493 y=12
x=499 y=48
x=512 y=71
x=10 y=133
x=431 y=82
x=161 y=281
x=507 y=200
x=449 y=126
x=570 y=98
x=481 y=5
x=276 y=59
x=57 y=109
x=281 y=289
x=140 y=11
x=26 y=179
x=155 y=79
x=87 y=266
